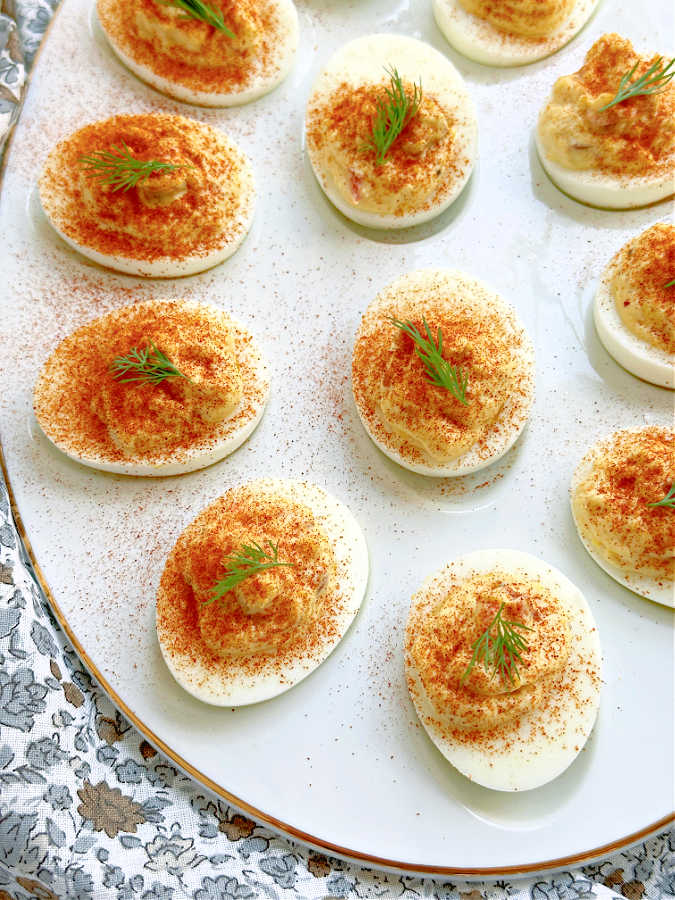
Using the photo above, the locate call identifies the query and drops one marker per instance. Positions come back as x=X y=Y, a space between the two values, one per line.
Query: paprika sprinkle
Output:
x=98 y=404
x=188 y=57
x=191 y=209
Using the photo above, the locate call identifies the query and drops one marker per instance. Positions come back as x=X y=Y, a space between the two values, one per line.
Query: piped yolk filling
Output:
x=612 y=503
x=414 y=171
x=264 y=612
x=634 y=137
x=444 y=645
x=526 y=18
x=475 y=341
x=638 y=287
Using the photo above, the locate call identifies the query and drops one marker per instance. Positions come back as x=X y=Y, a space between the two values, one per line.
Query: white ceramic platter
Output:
x=341 y=761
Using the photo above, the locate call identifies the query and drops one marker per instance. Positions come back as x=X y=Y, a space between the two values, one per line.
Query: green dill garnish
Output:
x=668 y=501
x=392 y=115
x=196 y=9
x=654 y=81
x=438 y=370
x=121 y=169
x=250 y=560
x=149 y=366
x=499 y=653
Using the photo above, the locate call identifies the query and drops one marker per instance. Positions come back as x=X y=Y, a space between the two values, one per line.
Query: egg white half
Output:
x=285 y=50
x=662 y=592
x=227 y=436
x=164 y=267
x=481 y=41
x=637 y=356
x=364 y=60
x=545 y=741
x=608 y=191
x=230 y=687
x=514 y=415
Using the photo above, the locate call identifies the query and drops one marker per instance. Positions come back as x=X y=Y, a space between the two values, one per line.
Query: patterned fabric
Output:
x=88 y=809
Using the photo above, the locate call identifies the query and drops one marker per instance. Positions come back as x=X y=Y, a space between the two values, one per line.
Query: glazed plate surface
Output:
x=341 y=761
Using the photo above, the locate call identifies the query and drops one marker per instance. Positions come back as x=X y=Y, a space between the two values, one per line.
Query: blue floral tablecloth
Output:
x=88 y=809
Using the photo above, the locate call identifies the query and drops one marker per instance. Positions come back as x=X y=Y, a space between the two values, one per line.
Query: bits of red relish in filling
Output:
x=419 y=168
x=635 y=137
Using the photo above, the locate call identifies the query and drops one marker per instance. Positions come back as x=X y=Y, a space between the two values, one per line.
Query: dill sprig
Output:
x=654 y=81
x=196 y=9
x=667 y=501
x=392 y=115
x=499 y=653
x=149 y=366
x=670 y=283
x=438 y=370
x=121 y=169
x=250 y=560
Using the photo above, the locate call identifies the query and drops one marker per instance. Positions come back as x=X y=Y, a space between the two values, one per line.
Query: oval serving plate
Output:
x=340 y=761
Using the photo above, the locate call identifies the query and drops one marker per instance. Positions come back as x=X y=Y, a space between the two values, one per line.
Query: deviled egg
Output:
x=259 y=589
x=157 y=388
x=511 y=32
x=152 y=194
x=623 y=504
x=442 y=373
x=220 y=53
x=634 y=308
x=391 y=131
x=600 y=139
x=503 y=664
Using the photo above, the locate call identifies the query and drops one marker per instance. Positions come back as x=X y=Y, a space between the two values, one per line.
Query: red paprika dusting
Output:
x=68 y=388
x=423 y=165
x=198 y=557
x=533 y=20
x=442 y=650
x=207 y=216
x=462 y=712
x=644 y=267
x=480 y=340
x=622 y=477
x=199 y=57
x=632 y=138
